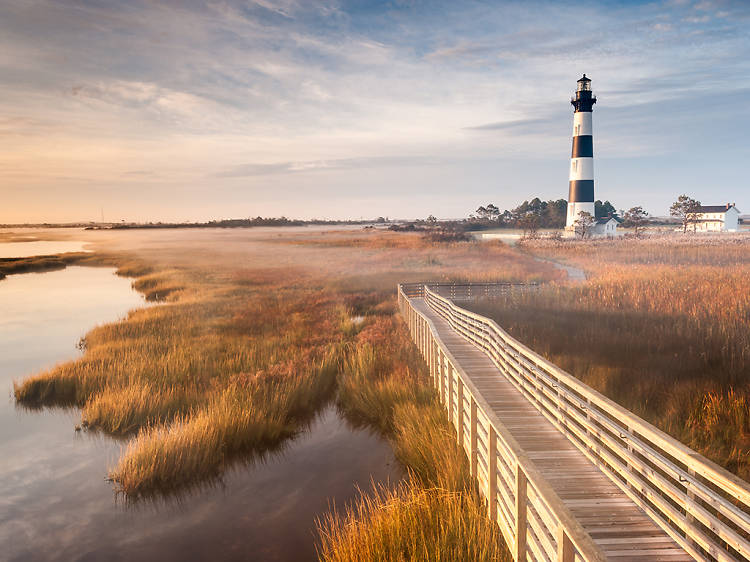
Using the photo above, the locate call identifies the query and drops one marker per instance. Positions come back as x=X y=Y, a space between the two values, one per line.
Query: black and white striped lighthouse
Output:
x=581 y=188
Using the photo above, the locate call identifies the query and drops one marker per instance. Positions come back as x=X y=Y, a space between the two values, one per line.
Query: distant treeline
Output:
x=237 y=223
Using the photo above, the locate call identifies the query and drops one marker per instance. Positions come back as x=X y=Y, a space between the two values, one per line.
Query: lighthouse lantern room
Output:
x=581 y=184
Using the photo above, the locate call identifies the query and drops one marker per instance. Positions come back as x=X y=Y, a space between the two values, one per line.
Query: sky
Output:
x=186 y=111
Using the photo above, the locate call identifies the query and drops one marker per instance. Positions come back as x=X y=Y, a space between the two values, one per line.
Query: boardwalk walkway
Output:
x=617 y=525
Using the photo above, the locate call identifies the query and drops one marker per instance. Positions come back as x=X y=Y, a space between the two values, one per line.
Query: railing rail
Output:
x=533 y=519
x=702 y=506
x=463 y=291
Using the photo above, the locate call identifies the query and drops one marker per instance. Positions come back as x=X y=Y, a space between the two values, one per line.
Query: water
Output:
x=39 y=248
x=55 y=503
x=509 y=236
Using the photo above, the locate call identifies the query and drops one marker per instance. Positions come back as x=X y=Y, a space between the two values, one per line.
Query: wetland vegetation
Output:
x=252 y=337
x=255 y=333
x=661 y=327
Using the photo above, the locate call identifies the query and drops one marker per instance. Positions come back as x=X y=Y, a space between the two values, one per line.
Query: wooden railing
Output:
x=703 y=507
x=533 y=519
x=466 y=291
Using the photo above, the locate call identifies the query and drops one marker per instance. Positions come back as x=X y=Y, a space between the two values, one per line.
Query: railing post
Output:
x=565 y=550
x=441 y=382
x=460 y=413
x=473 y=455
x=450 y=392
x=430 y=352
x=433 y=357
x=521 y=514
x=560 y=414
x=690 y=499
x=439 y=357
x=435 y=352
x=438 y=369
x=492 y=473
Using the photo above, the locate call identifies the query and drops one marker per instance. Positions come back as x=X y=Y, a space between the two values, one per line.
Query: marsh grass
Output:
x=410 y=522
x=128 y=266
x=662 y=327
x=223 y=369
x=244 y=346
x=243 y=418
x=436 y=513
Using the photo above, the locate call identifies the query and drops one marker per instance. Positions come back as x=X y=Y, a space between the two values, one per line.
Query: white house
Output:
x=604 y=227
x=717 y=218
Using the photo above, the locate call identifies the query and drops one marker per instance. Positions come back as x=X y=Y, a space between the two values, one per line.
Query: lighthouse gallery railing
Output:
x=703 y=507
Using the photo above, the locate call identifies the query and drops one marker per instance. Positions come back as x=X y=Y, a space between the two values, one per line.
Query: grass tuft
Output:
x=412 y=523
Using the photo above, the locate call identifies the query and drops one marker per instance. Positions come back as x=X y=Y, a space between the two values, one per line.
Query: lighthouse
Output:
x=581 y=185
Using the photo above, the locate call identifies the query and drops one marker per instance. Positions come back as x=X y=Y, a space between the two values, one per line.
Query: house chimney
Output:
x=728 y=205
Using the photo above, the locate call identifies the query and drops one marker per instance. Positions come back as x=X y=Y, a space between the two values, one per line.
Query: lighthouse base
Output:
x=575 y=208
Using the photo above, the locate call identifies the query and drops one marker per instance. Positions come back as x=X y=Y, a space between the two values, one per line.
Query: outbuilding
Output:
x=717 y=218
x=604 y=227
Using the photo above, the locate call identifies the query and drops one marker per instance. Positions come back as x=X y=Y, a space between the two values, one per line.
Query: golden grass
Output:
x=662 y=327
x=243 y=349
x=242 y=418
x=412 y=523
x=437 y=513
x=248 y=363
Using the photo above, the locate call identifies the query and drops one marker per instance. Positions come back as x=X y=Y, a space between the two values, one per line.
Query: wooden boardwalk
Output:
x=617 y=525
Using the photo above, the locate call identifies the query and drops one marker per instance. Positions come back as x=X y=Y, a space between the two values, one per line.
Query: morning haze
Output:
x=196 y=111
x=339 y=281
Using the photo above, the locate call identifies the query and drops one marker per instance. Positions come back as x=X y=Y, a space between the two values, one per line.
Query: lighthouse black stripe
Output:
x=581 y=191
x=583 y=146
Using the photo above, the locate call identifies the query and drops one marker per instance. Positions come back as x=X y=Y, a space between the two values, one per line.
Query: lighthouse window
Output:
x=578 y=130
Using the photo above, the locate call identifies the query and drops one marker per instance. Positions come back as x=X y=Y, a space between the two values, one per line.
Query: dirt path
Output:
x=575 y=274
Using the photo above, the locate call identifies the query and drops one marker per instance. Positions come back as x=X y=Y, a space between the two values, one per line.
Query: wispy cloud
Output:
x=289 y=90
x=362 y=163
x=517 y=124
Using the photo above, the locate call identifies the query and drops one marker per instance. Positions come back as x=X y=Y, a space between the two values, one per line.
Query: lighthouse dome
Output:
x=584 y=84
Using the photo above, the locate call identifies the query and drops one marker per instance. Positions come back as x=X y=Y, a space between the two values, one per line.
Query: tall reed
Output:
x=662 y=327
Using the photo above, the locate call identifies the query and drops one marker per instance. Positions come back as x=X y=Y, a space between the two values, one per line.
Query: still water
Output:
x=55 y=503
x=39 y=248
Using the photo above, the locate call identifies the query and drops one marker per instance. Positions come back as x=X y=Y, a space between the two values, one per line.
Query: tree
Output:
x=686 y=209
x=635 y=217
x=432 y=220
x=488 y=213
x=530 y=224
x=584 y=223
x=493 y=212
x=555 y=213
x=604 y=209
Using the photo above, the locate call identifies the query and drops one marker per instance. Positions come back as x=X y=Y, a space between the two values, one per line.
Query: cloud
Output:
x=198 y=94
x=525 y=124
x=247 y=170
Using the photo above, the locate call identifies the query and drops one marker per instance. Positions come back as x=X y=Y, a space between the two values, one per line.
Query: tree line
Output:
x=534 y=214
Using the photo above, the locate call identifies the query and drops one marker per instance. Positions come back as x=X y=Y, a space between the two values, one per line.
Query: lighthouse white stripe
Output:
x=582 y=123
x=574 y=209
x=581 y=169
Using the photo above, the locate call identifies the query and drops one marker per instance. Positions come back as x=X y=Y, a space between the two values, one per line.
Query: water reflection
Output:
x=55 y=503
x=39 y=248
